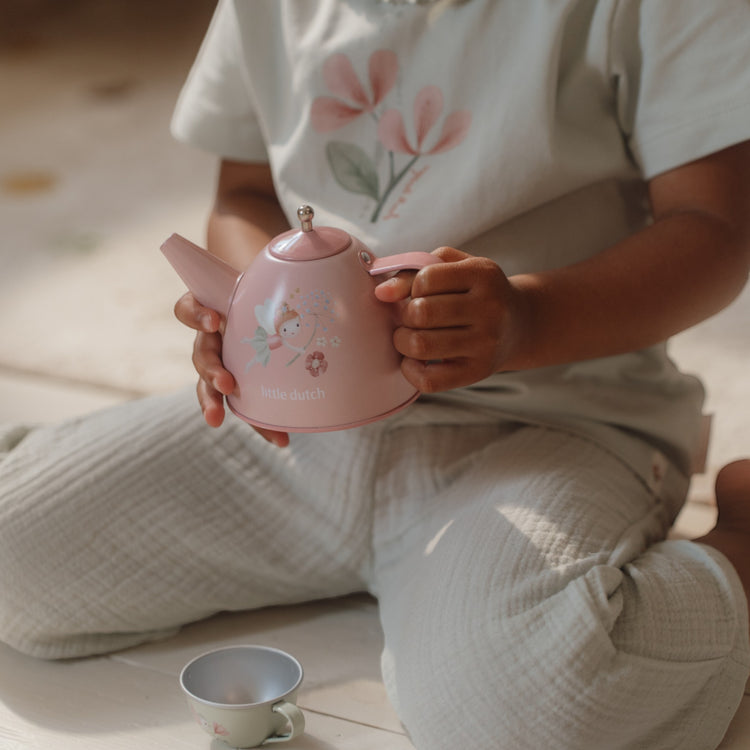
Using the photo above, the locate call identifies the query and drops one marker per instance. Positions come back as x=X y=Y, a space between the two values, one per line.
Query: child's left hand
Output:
x=460 y=321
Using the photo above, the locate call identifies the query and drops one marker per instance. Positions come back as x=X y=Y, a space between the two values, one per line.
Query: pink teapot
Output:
x=307 y=341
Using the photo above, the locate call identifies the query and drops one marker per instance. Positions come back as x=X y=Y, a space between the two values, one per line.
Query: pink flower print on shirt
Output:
x=428 y=106
x=329 y=113
x=352 y=167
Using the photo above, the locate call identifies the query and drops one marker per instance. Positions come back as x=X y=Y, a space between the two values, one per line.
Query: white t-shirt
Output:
x=521 y=130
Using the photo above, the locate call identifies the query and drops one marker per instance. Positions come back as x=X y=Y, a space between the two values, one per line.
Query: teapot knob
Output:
x=305 y=215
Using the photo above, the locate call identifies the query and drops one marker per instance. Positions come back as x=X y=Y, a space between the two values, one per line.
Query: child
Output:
x=582 y=167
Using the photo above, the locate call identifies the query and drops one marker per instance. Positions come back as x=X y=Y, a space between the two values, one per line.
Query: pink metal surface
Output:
x=307 y=341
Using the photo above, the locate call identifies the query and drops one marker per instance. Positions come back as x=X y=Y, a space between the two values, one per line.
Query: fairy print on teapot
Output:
x=289 y=324
x=275 y=329
x=308 y=343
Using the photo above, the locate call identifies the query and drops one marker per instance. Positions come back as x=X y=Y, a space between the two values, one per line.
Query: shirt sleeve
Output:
x=682 y=75
x=214 y=111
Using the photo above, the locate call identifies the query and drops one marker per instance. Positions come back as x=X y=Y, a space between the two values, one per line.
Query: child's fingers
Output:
x=396 y=288
x=435 y=344
x=208 y=364
x=211 y=403
x=191 y=313
x=435 y=376
x=443 y=311
x=279 y=439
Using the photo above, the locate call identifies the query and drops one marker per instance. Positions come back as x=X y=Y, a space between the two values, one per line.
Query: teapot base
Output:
x=324 y=428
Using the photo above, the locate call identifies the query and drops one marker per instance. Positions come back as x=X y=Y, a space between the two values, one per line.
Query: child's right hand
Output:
x=214 y=380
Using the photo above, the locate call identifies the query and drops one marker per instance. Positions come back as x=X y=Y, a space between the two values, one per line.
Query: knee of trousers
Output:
x=24 y=624
x=66 y=491
x=29 y=621
x=47 y=610
x=651 y=655
x=55 y=625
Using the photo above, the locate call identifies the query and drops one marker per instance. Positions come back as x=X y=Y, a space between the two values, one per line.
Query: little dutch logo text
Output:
x=309 y=394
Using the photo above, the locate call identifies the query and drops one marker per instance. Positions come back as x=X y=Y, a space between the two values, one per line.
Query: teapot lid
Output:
x=308 y=243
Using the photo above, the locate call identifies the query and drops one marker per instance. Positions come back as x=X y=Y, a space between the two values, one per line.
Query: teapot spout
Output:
x=209 y=278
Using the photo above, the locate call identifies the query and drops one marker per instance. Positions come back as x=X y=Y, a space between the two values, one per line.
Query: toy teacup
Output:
x=245 y=695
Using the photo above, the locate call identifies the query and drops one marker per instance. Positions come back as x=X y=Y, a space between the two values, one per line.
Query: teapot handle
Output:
x=415 y=260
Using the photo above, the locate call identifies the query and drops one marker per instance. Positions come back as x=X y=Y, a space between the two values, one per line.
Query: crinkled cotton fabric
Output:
x=527 y=595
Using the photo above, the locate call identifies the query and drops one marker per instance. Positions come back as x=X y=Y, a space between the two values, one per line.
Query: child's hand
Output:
x=215 y=381
x=459 y=321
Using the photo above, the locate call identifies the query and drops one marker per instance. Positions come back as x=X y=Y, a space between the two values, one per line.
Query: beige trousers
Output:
x=527 y=595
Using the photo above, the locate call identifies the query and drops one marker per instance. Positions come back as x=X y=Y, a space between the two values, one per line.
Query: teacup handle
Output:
x=296 y=720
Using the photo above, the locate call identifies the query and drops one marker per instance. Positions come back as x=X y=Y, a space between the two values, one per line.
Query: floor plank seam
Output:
x=141 y=665
x=18 y=371
x=349 y=720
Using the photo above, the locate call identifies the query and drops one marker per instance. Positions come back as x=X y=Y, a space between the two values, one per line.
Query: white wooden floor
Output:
x=131 y=700
x=90 y=184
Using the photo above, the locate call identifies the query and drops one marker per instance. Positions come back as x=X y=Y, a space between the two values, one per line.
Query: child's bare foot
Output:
x=731 y=535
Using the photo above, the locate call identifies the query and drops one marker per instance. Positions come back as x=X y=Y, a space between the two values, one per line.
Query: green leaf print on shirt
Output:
x=353 y=169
